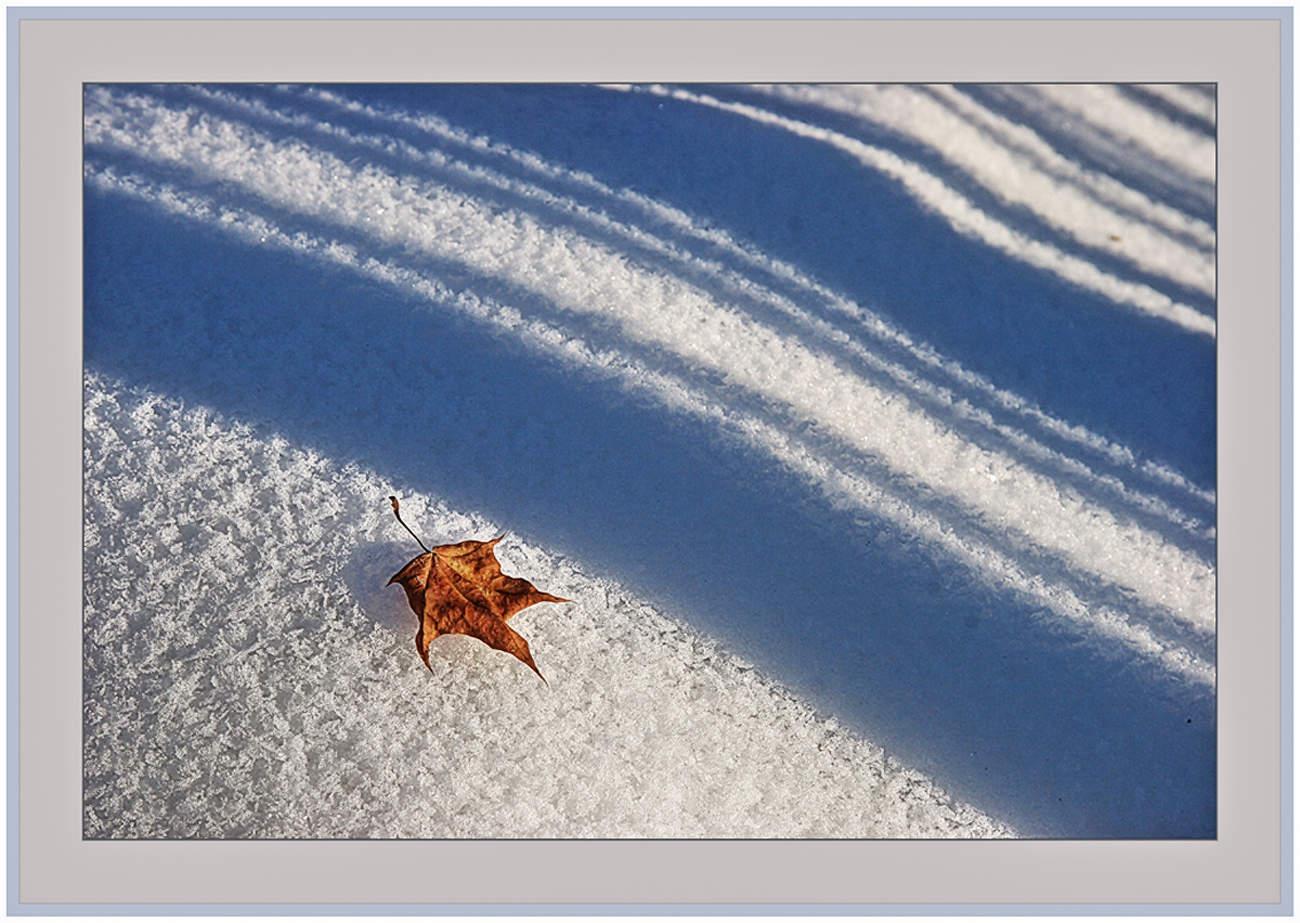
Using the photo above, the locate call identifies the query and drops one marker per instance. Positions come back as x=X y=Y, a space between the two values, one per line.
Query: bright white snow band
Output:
x=670 y=391
x=1108 y=108
x=672 y=223
x=581 y=276
x=931 y=116
x=964 y=217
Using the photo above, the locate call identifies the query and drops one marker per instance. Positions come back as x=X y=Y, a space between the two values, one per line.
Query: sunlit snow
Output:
x=870 y=430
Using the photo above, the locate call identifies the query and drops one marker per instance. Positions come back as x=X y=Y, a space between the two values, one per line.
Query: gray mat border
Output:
x=17 y=401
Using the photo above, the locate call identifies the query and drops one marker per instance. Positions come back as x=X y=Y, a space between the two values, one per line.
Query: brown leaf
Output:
x=460 y=589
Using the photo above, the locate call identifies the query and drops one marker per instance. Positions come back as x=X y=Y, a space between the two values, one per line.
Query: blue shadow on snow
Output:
x=1138 y=380
x=965 y=682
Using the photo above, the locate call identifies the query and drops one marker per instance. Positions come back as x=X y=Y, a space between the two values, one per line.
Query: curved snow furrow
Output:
x=355 y=738
x=659 y=311
x=842 y=489
x=964 y=217
x=1029 y=143
x=1187 y=99
x=668 y=223
x=1013 y=178
x=1093 y=144
x=1164 y=107
x=1110 y=110
x=1105 y=488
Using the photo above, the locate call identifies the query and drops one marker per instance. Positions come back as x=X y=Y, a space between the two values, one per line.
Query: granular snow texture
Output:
x=249 y=675
x=855 y=420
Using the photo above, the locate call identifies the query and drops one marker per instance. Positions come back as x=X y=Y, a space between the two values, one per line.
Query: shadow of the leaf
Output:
x=366 y=573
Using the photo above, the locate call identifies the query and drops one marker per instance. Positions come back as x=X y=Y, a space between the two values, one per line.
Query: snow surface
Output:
x=851 y=418
x=251 y=675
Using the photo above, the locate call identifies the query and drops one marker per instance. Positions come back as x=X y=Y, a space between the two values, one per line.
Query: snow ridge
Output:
x=1017 y=180
x=656 y=224
x=964 y=216
x=854 y=489
x=581 y=276
x=1109 y=109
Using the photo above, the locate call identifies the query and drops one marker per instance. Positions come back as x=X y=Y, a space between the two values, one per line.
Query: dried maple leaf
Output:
x=459 y=589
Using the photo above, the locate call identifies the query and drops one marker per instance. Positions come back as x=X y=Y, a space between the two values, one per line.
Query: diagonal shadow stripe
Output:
x=1024 y=141
x=764 y=306
x=970 y=529
x=666 y=313
x=1096 y=149
x=942 y=522
x=1015 y=216
x=575 y=193
x=1198 y=121
x=952 y=676
x=1080 y=362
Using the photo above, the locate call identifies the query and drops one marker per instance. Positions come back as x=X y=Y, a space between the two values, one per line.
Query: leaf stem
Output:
x=393 y=500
